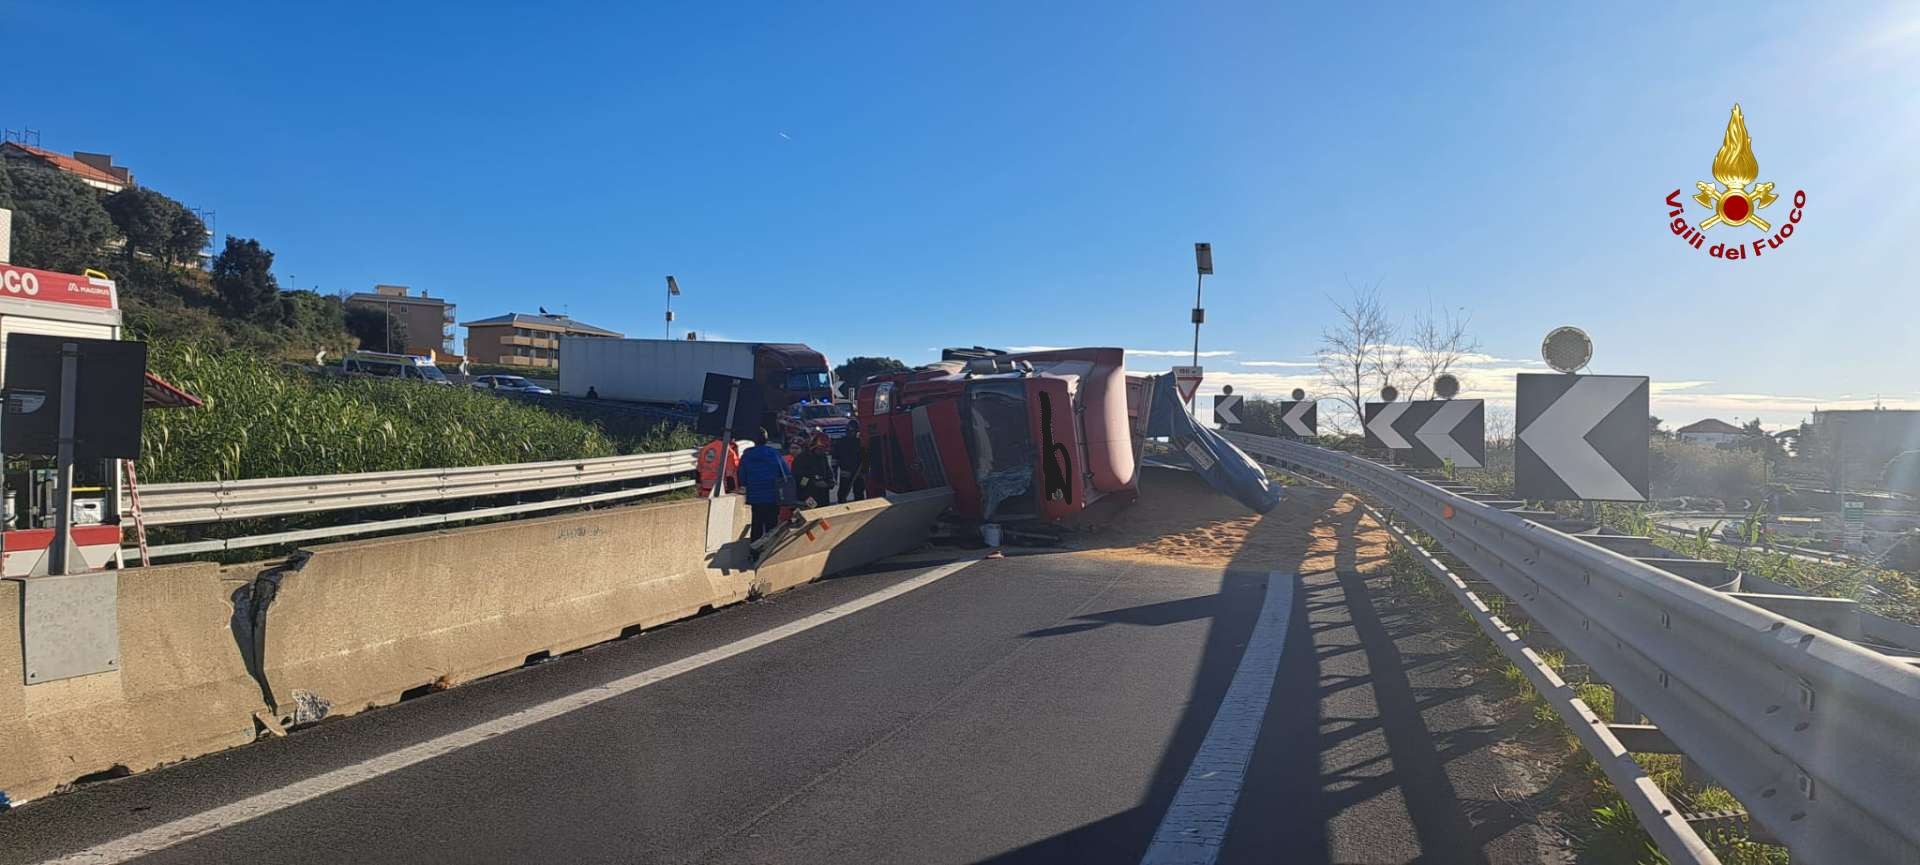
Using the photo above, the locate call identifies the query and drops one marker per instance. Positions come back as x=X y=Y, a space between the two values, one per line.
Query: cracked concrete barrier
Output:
x=837 y=538
x=182 y=688
x=350 y=626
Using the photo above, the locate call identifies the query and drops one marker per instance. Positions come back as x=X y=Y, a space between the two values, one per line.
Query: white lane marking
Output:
x=1196 y=822
x=188 y=828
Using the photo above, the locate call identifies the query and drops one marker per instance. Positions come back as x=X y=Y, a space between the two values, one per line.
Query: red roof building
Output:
x=94 y=169
x=1712 y=431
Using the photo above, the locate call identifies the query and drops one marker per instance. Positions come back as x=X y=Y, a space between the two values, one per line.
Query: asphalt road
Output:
x=1041 y=708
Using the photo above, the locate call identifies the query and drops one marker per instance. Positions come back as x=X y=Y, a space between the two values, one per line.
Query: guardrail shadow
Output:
x=1293 y=797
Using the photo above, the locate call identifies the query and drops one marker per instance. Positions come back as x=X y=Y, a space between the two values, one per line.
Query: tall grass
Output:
x=263 y=419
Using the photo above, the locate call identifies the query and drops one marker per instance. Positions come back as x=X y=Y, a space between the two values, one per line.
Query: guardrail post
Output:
x=1624 y=712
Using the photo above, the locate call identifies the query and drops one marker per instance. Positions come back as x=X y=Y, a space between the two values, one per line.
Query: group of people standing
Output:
x=821 y=467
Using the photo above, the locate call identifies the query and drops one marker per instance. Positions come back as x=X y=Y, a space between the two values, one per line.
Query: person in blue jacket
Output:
x=764 y=472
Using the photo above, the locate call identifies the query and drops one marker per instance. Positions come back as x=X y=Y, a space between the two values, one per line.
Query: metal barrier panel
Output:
x=1816 y=736
x=213 y=501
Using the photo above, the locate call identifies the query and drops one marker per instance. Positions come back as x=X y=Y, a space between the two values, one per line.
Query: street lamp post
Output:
x=1203 y=265
x=673 y=288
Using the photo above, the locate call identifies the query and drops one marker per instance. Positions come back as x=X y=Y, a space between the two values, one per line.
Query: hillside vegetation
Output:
x=223 y=333
x=265 y=419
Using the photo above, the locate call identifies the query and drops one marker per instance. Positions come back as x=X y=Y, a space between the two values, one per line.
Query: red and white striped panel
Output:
x=25 y=548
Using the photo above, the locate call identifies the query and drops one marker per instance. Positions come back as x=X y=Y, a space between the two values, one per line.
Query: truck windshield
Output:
x=807 y=379
x=816 y=412
x=999 y=434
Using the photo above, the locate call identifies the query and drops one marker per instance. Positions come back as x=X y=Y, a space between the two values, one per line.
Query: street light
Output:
x=1203 y=262
x=673 y=288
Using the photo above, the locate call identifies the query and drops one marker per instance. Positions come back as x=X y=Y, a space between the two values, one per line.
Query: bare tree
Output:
x=1499 y=427
x=1353 y=353
x=1440 y=340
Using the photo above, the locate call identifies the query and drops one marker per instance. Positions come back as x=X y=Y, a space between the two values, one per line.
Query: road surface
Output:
x=1046 y=707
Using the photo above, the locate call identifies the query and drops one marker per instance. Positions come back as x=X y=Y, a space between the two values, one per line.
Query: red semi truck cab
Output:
x=1032 y=436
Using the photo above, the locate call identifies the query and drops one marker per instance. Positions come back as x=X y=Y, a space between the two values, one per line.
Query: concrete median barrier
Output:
x=354 y=625
x=837 y=538
x=181 y=690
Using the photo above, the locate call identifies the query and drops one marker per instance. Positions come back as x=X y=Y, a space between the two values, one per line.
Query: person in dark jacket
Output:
x=814 y=473
x=848 y=455
x=763 y=471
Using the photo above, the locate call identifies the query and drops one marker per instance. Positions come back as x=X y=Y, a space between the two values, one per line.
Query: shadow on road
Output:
x=1293 y=801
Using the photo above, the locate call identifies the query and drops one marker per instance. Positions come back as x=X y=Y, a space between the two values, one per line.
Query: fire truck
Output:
x=57 y=304
x=1034 y=436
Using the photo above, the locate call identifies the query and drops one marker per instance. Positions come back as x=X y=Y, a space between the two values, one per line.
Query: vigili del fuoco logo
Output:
x=1735 y=201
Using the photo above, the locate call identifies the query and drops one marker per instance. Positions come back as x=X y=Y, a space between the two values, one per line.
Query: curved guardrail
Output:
x=1819 y=737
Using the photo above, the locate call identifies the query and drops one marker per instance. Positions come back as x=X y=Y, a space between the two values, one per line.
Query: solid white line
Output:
x=1196 y=822
x=188 y=828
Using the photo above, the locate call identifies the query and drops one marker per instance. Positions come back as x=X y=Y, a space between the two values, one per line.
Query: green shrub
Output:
x=263 y=419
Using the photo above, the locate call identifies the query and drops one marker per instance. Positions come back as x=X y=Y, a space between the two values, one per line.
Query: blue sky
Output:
x=891 y=178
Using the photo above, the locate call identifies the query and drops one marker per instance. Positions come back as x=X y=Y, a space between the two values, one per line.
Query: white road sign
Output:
x=1186 y=380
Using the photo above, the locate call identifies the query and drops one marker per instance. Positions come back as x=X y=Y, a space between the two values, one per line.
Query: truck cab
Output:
x=791 y=373
x=1034 y=436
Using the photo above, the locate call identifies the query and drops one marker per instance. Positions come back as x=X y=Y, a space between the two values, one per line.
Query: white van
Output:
x=380 y=364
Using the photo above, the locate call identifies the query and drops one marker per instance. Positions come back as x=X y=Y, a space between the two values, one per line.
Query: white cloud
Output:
x=1159 y=352
x=1301 y=364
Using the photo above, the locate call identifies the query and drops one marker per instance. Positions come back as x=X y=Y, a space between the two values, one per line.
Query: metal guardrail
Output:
x=216 y=501
x=221 y=501
x=1817 y=736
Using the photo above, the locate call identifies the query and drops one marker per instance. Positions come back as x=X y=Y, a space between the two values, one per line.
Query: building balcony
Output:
x=529 y=341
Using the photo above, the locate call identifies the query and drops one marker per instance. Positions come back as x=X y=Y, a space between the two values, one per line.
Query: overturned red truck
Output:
x=1028 y=436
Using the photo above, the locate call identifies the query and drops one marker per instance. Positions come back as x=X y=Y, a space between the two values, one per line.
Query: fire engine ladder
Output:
x=139 y=519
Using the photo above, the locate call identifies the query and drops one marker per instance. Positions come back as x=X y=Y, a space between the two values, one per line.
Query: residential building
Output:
x=429 y=320
x=519 y=339
x=1712 y=431
x=94 y=169
x=1856 y=445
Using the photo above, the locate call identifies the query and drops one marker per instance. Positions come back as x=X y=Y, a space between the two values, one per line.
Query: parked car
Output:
x=513 y=383
x=381 y=364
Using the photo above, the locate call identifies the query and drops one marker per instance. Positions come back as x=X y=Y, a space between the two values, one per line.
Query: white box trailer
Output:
x=648 y=370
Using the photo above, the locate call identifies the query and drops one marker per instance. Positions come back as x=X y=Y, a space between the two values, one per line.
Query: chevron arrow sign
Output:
x=1299 y=419
x=1445 y=430
x=1226 y=409
x=1582 y=438
x=1382 y=421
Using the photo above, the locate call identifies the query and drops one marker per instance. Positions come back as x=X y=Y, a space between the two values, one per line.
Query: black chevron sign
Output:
x=1429 y=433
x=1582 y=438
x=1446 y=430
x=1299 y=419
